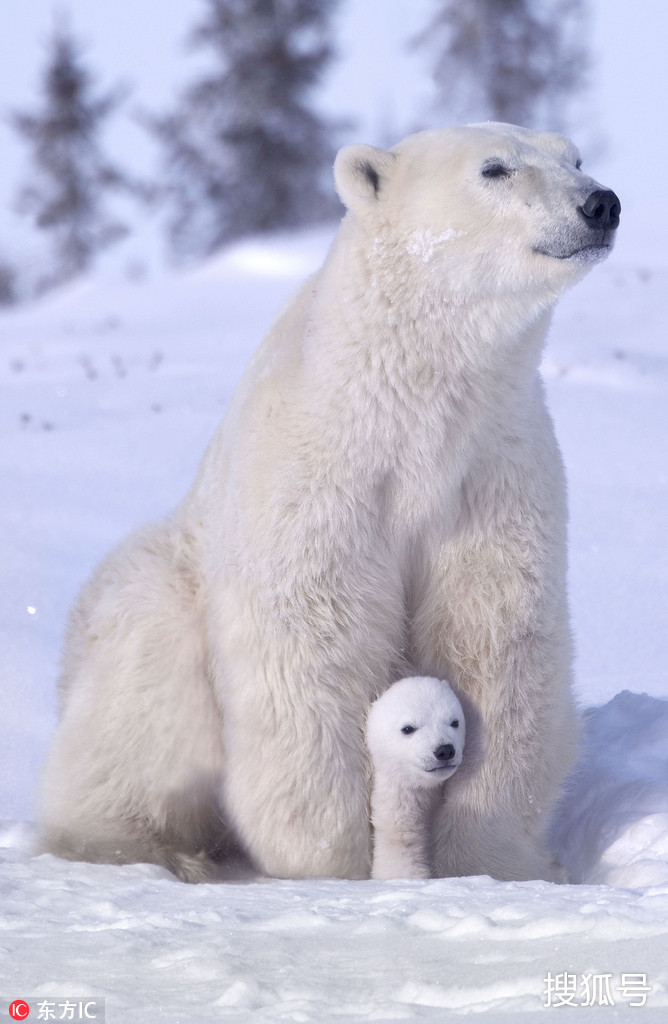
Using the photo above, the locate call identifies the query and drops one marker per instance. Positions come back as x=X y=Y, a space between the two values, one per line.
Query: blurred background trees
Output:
x=8 y=283
x=245 y=147
x=244 y=151
x=66 y=196
x=518 y=61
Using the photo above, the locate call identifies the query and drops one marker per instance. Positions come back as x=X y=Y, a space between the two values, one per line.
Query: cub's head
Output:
x=415 y=732
x=489 y=208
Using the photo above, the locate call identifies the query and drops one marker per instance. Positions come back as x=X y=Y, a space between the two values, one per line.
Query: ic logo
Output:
x=19 y=1009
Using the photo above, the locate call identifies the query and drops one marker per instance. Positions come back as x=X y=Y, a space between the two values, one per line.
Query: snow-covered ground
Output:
x=109 y=391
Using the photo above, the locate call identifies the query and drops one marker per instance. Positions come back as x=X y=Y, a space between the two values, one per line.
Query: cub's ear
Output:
x=361 y=173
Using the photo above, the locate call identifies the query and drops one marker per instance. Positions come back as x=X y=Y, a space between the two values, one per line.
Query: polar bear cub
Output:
x=415 y=734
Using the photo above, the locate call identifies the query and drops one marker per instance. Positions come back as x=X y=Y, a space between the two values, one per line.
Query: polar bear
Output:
x=384 y=498
x=415 y=733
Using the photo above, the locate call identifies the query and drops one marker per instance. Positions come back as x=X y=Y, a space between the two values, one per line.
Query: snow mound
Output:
x=612 y=824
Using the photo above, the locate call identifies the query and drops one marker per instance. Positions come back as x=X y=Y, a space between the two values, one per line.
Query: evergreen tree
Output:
x=518 y=61
x=244 y=152
x=67 y=197
x=8 y=283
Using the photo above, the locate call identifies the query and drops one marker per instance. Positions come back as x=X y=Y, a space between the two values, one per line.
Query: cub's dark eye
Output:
x=495 y=169
x=578 y=165
x=454 y=724
x=407 y=729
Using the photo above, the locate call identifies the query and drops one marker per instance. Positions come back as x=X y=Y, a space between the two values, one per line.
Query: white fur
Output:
x=415 y=734
x=385 y=497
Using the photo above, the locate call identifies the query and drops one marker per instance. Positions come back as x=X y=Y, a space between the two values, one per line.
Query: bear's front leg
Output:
x=493 y=619
x=402 y=821
x=294 y=680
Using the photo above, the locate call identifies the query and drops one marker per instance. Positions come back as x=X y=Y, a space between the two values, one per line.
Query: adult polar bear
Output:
x=385 y=498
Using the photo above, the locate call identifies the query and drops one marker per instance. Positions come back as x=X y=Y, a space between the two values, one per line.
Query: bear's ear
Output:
x=360 y=173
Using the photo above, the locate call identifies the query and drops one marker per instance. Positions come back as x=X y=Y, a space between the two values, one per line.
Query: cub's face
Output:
x=416 y=732
x=485 y=209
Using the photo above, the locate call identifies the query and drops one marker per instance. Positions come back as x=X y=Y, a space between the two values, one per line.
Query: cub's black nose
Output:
x=444 y=752
x=601 y=210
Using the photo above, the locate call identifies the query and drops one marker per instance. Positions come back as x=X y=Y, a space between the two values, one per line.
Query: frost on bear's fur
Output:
x=384 y=498
x=415 y=734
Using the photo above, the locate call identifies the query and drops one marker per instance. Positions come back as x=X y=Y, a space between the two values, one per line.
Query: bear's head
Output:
x=415 y=733
x=487 y=209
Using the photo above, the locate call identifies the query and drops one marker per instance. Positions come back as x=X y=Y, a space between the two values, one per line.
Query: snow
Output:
x=109 y=391
x=314 y=951
x=423 y=245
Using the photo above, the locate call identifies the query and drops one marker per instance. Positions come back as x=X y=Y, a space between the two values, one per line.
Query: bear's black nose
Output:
x=601 y=210
x=445 y=752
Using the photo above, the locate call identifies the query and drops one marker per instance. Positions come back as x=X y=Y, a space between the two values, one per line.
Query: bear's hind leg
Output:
x=135 y=770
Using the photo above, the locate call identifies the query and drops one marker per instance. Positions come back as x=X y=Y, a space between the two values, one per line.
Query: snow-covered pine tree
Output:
x=71 y=178
x=243 y=150
x=518 y=61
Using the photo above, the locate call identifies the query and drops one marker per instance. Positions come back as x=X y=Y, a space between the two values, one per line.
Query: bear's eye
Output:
x=578 y=165
x=495 y=169
x=407 y=729
x=454 y=724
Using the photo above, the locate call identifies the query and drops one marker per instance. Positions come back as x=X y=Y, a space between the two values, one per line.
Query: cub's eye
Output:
x=495 y=169
x=454 y=724
x=407 y=729
x=578 y=165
